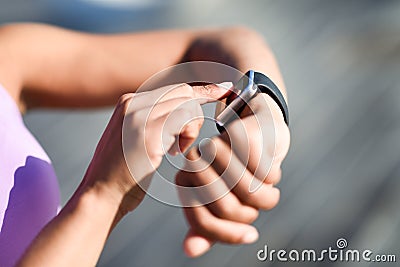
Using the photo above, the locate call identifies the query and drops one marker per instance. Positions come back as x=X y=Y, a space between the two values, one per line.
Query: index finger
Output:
x=209 y=92
x=203 y=92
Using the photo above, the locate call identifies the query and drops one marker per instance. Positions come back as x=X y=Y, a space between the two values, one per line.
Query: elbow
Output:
x=246 y=36
x=244 y=32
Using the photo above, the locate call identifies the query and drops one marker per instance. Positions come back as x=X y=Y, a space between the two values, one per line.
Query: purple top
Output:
x=29 y=192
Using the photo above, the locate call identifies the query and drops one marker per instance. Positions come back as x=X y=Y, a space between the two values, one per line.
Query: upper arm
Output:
x=30 y=58
x=47 y=66
x=38 y=60
x=10 y=65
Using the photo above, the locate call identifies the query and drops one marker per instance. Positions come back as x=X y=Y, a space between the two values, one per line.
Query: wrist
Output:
x=274 y=108
x=100 y=195
x=116 y=196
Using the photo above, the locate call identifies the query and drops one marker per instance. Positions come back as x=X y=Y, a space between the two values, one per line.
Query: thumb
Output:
x=206 y=93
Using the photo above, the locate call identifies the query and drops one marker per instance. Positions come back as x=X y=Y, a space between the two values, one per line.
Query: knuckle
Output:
x=274 y=179
x=124 y=99
x=235 y=211
x=274 y=176
x=229 y=211
x=264 y=197
x=253 y=216
x=209 y=150
x=182 y=178
x=255 y=200
x=271 y=202
x=233 y=238
x=185 y=90
x=179 y=180
x=201 y=223
x=192 y=155
x=240 y=213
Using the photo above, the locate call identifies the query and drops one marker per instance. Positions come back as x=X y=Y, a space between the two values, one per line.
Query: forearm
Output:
x=77 y=235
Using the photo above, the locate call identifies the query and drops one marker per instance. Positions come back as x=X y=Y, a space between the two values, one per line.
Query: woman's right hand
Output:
x=142 y=129
x=149 y=123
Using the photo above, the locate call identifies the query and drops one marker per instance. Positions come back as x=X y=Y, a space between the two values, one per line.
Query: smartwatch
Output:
x=248 y=86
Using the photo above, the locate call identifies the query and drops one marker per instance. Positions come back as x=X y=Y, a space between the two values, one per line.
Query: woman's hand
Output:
x=244 y=166
x=228 y=219
x=142 y=129
x=150 y=124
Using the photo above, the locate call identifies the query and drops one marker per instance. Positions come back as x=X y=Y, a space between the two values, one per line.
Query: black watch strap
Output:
x=265 y=85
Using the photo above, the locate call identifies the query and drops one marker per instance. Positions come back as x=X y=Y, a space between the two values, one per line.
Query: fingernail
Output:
x=250 y=237
x=225 y=85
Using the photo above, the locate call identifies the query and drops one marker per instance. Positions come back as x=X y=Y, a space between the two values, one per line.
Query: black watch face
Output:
x=241 y=94
x=239 y=87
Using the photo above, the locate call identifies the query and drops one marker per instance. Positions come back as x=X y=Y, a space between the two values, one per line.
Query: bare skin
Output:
x=44 y=66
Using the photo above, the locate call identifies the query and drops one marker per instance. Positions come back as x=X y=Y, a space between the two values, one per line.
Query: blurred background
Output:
x=341 y=64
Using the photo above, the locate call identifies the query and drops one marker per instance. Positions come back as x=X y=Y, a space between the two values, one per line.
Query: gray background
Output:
x=341 y=64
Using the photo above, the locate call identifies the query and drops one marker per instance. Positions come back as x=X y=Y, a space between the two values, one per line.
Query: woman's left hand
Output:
x=240 y=169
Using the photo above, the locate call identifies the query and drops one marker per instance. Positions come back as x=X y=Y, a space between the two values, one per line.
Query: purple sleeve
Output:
x=29 y=193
